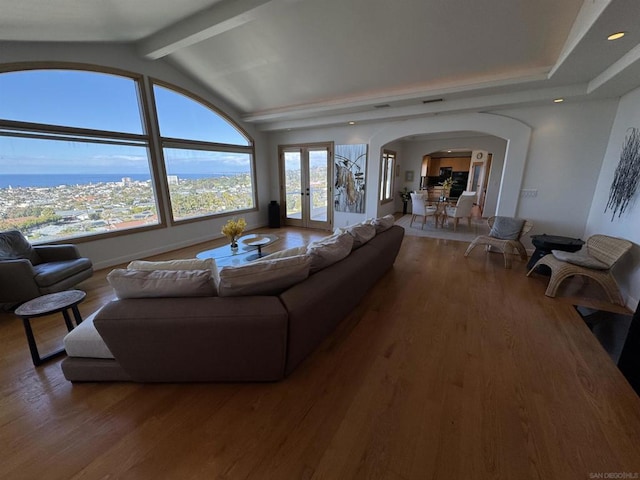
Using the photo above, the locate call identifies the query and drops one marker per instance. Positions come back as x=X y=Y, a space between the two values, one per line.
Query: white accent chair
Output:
x=419 y=207
x=461 y=210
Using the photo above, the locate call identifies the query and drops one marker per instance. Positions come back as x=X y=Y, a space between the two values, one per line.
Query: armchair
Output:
x=505 y=237
x=28 y=271
x=596 y=261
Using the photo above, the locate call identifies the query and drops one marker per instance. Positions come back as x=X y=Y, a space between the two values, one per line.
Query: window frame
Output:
x=181 y=143
x=150 y=138
x=78 y=134
x=387 y=155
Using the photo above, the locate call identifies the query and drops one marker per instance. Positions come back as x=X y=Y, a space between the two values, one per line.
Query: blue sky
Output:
x=104 y=102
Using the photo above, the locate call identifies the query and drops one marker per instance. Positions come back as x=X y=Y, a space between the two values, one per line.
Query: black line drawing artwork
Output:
x=351 y=167
x=627 y=175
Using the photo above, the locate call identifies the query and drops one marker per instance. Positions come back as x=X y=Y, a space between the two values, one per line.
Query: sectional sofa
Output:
x=237 y=337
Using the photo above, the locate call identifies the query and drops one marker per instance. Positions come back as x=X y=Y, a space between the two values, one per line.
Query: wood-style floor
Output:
x=450 y=368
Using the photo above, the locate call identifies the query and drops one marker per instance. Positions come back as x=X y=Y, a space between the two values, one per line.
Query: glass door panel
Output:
x=292 y=166
x=319 y=185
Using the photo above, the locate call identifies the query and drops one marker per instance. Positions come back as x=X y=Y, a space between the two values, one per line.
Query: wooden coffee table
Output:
x=47 y=305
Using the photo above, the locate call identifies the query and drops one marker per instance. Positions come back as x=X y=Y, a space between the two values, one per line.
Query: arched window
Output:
x=74 y=154
x=208 y=160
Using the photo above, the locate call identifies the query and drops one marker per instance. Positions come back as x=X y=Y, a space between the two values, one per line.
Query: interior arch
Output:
x=516 y=134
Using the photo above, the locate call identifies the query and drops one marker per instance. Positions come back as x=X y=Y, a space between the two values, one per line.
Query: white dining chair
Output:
x=419 y=208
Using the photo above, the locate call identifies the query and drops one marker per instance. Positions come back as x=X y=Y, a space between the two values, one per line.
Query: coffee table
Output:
x=47 y=305
x=257 y=241
x=225 y=256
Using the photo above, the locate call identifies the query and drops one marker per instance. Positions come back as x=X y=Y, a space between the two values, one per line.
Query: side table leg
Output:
x=67 y=320
x=35 y=356
x=76 y=314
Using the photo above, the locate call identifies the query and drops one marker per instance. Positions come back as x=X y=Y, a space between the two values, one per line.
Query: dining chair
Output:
x=462 y=209
x=419 y=208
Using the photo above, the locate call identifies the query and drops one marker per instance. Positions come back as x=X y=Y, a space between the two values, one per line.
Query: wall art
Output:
x=351 y=168
x=627 y=175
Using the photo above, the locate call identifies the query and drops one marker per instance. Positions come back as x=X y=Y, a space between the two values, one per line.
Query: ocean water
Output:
x=53 y=180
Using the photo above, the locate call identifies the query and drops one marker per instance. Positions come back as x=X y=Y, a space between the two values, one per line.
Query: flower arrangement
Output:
x=233 y=229
x=447 y=184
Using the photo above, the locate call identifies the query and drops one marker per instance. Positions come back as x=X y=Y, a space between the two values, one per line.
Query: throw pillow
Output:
x=179 y=264
x=382 y=224
x=361 y=233
x=506 y=228
x=269 y=277
x=161 y=283
x=289 y=252
x=329 y=250
x=14 y=246
x=580 y=258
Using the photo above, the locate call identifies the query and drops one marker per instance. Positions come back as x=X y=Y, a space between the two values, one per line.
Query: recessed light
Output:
x=615 y=36
x=352 y=123
x=558 y=100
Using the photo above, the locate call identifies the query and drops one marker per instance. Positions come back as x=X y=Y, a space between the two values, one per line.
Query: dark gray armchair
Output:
x=28 y=271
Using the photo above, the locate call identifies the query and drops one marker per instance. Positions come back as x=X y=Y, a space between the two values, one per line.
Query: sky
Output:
x=105 y=102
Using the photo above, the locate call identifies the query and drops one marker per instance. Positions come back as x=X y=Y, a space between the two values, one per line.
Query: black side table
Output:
x=545 y=243
x=47 y=305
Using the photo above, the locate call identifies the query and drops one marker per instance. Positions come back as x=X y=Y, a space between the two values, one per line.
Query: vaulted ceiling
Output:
x=288 y=63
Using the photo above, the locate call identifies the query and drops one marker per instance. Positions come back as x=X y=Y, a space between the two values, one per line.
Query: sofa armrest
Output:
x=196 y=339
x=55 y=253
x=17 y=282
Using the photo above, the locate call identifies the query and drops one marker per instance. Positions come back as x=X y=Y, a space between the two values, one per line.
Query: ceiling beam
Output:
x=587 y=17
x=215 y=20
x=543 y=96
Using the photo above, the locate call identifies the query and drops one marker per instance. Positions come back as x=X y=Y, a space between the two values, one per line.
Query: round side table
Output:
x=47 y=305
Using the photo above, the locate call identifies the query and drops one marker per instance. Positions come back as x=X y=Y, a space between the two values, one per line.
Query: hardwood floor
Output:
x=450 y=368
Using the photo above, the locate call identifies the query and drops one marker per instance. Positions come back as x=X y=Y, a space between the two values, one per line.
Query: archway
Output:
x=515 y=133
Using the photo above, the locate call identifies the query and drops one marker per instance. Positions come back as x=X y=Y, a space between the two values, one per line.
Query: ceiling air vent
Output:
x=433 y=101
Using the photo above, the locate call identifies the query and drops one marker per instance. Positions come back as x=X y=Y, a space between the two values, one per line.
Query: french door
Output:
x=306 y=186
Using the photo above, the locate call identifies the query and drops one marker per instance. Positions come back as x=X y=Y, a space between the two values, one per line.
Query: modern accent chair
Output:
x=462 y=209
x=594 y=261
x=505 y=235
x=28 y=271
x=419 y=208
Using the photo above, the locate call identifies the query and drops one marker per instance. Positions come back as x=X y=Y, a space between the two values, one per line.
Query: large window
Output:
x=74 y=155
x=388 y=166
x=77 y=157
x=208 y=161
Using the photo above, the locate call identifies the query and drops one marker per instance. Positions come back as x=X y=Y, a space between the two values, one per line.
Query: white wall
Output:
x=627 y=272
x=567 y=146
x=111 y=251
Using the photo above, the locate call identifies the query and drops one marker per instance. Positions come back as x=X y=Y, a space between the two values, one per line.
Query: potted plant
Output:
x=405 y=195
